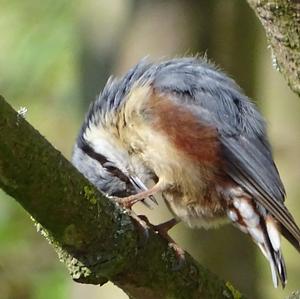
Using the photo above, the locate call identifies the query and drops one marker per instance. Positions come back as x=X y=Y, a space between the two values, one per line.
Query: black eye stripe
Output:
x=89 y=151
x=115 y=171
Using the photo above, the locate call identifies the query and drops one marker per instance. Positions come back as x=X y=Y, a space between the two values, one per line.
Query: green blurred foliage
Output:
x=38 y=70
x=38 y=53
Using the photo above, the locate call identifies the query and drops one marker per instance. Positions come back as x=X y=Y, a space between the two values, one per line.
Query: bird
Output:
x=184 y=129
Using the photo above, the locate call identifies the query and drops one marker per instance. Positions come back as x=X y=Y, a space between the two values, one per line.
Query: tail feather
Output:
x=274 y=254
x=263 y=228
x=281 y=267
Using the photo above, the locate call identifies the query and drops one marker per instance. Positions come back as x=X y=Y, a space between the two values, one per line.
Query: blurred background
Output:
x=55 y=57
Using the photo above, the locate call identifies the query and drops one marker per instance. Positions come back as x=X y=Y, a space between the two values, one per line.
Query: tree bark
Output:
x=94 y=238
x=281 y=20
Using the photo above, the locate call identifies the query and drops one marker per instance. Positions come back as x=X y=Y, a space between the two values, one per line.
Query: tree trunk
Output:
x=281 y=20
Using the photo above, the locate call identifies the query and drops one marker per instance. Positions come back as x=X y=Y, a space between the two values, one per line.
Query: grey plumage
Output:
x=216 y=100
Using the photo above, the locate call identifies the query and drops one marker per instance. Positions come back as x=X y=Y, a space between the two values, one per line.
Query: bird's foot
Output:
x=128 y=201
x=142 y=222
x=125 y=202
x=162 y=229
x=180 y=255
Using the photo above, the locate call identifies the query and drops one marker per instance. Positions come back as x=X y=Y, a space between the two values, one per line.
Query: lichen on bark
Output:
x=95 y=239
x=281 y=21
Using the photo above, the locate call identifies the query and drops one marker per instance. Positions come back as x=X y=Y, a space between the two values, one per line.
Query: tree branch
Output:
x=281 y=20
x=95 y=239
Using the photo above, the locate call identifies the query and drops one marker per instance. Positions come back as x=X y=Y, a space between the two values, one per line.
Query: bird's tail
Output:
x=270 y=247
x=264 y=230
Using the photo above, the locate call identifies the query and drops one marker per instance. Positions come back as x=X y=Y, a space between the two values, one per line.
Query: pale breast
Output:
x=197 y=214
x=180 y=150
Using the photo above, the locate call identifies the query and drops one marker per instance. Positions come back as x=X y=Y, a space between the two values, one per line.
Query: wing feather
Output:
x=217 y=101
x=249 y=164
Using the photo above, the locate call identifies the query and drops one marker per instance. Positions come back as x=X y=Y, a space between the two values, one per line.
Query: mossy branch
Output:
x=95 y=239
x=281 y=20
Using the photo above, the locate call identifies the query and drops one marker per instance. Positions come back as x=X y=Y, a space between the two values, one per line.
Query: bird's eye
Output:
x=109 y=166
x=115 y=171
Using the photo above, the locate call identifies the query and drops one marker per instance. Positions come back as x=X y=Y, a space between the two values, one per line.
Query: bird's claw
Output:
x=180 y=256
x=142 y=225
x=139 y=220
x=125 y=202
x=162 y=230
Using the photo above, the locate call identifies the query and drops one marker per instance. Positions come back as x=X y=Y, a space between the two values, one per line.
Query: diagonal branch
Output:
x=281 y=20
x=95 y=239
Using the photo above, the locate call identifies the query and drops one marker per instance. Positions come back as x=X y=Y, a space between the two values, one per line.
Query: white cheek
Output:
x=104 y=142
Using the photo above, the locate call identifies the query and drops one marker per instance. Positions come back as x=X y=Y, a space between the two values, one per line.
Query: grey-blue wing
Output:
x=216 y=100
x=249 y=163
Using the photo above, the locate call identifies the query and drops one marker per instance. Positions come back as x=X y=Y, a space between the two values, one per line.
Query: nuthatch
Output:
x=185 y=130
